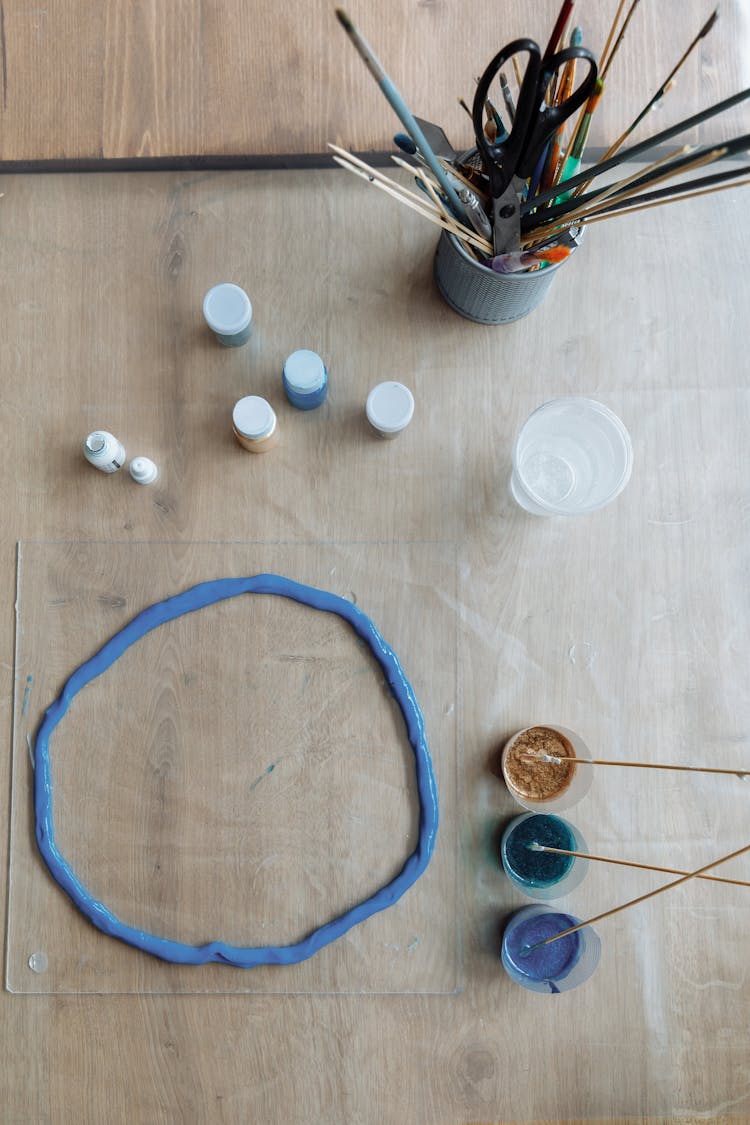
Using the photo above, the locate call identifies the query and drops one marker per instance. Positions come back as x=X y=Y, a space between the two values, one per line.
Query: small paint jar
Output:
x=229 y=314
x=558 y=967
x=102 y=450
x=389 y=408
x=537 y=874
x=254 y=424
x=305 y=379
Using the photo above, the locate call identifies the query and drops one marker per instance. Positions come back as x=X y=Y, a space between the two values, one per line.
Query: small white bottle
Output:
x=102 y=450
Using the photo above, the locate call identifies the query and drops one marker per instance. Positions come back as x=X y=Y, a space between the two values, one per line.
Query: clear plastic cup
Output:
x=558 y=967
x=572 y=456
x=554 y=788
x=542 y=875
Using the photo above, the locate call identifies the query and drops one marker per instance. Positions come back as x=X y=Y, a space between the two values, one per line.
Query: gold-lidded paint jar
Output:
x=254 y=424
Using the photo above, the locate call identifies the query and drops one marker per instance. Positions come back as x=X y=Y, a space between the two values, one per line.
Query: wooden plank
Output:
x=630 y=625
x=142 y=79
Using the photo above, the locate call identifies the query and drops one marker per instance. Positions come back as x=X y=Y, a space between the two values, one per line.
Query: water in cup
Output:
x=573 y=455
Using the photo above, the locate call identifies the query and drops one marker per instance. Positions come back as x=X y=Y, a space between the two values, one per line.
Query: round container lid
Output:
x=253 y=417
x=143 y=470
x=390 y=407
x=304 y=371
x=227 y=309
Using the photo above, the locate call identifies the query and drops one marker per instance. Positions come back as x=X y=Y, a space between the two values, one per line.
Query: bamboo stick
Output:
x=632 y=863
x=641 y=898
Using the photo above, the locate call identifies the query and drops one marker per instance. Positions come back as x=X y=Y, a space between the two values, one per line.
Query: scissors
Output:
x=511 y=161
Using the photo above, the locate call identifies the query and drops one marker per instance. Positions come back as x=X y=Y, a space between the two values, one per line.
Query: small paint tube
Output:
x=254 y=424
x=102 y=450
x=229 y=314
x=305 y=379
x=143 y=470
x=389 y=408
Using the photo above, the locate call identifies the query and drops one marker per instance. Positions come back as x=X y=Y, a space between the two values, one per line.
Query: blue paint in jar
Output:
x=305 y=379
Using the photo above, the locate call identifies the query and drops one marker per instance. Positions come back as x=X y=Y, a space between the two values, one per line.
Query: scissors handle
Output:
x=500 y=160
x=549 y=118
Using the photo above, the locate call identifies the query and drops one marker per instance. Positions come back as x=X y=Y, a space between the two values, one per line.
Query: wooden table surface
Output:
x=629 y=626
x=132 y=80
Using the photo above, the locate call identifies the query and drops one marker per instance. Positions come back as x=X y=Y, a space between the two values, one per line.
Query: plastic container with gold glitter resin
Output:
x=535 y=782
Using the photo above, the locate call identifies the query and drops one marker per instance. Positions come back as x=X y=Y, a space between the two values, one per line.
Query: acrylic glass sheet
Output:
x=241 y=773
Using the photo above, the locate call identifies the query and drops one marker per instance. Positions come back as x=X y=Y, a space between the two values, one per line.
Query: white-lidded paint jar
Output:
x=305 y=379
x=102 y=450
x=389 y=408
x=229 y=314
x=254 y=424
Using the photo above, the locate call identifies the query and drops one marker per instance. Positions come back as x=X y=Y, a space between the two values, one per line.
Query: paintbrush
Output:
x=606 y=64
x=665 y=86
x=642 y=146
x=631 y=205
x=571 y=162
x=558 y=31
x=565 y=89
x=402 y=111
x=701 y=185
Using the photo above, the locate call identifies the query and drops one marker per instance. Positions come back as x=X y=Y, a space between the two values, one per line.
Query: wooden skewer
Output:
x=375 y=174
x=530 y=757
x=353 y=163
x=641 y=898
x=632 y=863
x=431 y=189
x=425 y=209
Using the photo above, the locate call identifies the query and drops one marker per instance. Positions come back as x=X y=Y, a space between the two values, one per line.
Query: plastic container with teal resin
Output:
x=229 y=314
x=305 y=379
x=538 y=874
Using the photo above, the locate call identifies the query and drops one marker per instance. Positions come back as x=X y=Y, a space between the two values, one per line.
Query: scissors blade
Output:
x=506 y=219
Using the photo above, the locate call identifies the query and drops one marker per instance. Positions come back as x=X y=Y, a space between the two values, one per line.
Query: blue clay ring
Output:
x=197 y=597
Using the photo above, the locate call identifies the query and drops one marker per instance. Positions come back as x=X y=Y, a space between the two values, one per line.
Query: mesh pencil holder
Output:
x=480 y=294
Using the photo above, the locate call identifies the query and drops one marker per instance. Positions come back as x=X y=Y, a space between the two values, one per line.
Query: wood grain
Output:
x=130 y=80
x=630 y=625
